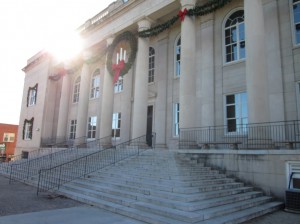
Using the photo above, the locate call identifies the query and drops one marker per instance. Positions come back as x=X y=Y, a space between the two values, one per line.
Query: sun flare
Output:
x=64 y=46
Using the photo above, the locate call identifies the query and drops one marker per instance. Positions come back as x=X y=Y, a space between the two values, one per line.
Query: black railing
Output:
x=53 y=178
x=24 y=170
x=272 y=135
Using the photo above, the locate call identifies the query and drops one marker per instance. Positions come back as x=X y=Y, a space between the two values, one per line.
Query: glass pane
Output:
x=296 y=13
x=231 y=111
x=242 y=31
x=230 y=99
x=242 y=50
x=231 y=124
x=233 y=35
x=235 y=52
x=297 y=33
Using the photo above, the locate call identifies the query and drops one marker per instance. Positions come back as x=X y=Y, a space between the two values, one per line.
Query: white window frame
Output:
x=293 y=22
x=32 y=97
x=239 y=59
x=76 y=90
x=73 y=126
x=8 y=137
x=95 y=85
x=116 y=125
x=177 y=63
x=239 y=118
x=176 y=116
x=151 y=70
x=28 y=131
x=119 y=85
x=92 y=127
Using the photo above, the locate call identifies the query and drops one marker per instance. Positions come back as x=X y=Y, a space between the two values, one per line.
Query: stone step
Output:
x=246 y=214
x=150 y=176
x=208 y=179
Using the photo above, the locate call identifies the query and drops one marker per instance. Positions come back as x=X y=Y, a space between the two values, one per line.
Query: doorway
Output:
x=149 y=125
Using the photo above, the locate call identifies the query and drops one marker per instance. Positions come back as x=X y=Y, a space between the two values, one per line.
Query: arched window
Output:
x=235 y=37
x=177 y=56
x=151 y=65
x=95 y=85
x=76 y=90
x=296 y=20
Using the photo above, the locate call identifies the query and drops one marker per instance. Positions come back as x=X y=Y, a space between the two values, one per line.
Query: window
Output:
x=296 y=20
x=293 y=175
x=76 y=90
x=177 y=56
x=118 y=87
x=176 y=120
x=235 y=37
x=151 y=65
x=8 y=137
x=236 y=112
x=32 y=95
x=27 y=129
x=95 y=87
x=116 y=125
x=92 y=127
x=73 y=129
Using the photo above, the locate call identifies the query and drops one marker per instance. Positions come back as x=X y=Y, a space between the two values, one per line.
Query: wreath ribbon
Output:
x=182 y=14
x=117 y=68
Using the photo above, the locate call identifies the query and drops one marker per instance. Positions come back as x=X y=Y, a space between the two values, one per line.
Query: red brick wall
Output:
x=10 y=146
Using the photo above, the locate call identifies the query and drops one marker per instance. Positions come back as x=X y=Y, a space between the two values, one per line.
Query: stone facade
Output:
x=269 y=73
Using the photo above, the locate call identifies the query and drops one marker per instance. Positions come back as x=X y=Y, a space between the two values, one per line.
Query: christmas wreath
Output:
x=131 y=39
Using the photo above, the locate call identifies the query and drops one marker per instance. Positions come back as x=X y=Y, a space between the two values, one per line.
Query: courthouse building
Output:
x=145 y=64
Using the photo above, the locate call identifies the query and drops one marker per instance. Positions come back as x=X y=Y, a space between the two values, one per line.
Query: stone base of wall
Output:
x=264 y=169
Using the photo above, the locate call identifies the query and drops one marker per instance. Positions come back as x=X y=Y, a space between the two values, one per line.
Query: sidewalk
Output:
x=20 y=205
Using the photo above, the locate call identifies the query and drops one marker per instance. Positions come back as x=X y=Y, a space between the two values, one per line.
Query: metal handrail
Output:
x=54 y=177
x=24 y=170
x=269 y=135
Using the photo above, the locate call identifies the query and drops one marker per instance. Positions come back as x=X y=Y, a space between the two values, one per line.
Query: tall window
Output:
x=151 y=65
x=235 y=37
x=76 y=90
x=73 y=129
x=32 y=95
x=236 y=112
x=177 y=57
x=95 y=85
x=116 y=125
x=296 y=22
x=92 y=125
x=27 y=129
x=176 y=119
x=118 y=87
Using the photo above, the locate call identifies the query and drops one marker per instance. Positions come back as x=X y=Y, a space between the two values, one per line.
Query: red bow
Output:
x=182 y=14
x=117 y=68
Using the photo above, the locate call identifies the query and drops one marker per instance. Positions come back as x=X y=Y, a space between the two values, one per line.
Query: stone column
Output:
x=107 y=101
x=187 y=98
x=139 y=119
x=256 y=63
x=207 y=72
x=62 y=124
x=82 y=113
x=274 y=65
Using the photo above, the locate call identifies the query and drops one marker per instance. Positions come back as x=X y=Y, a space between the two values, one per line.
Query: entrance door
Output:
x=149 y=125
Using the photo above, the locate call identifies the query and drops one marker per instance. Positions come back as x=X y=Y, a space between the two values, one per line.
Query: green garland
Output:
x=133 y=45
x=209 y=7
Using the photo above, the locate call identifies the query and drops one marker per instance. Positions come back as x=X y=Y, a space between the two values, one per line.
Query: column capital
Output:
x=144 y=24
x=188 y=4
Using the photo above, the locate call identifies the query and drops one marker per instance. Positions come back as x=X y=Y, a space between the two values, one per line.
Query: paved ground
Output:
x=20 y=205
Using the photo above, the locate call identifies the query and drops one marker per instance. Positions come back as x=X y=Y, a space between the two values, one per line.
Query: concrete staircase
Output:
x=163 y=187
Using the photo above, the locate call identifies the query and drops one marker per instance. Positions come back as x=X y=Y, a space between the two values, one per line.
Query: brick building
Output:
x=8 y=140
